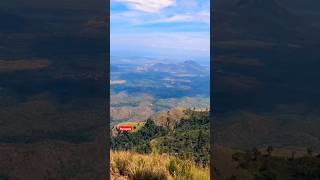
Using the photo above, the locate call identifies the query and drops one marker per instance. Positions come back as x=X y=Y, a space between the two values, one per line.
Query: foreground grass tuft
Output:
x=134 y=166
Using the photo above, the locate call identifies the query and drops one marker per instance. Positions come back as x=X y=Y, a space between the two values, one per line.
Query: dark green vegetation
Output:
x=137 y=141
x=187 y=139
x=265 y=164
x=266 y=167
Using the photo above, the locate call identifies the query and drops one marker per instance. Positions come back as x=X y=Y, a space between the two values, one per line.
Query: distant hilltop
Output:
x=184 y=67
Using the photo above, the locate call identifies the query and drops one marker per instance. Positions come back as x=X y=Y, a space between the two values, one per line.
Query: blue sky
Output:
x=170 y=29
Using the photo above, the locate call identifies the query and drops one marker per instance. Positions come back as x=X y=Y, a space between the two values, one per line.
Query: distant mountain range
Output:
x=190 y=67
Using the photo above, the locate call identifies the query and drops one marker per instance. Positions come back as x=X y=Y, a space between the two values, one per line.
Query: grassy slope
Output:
x=130 y=165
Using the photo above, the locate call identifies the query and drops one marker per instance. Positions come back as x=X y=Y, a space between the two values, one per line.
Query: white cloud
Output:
x=131 y=17
x=202 y=17
x=137 y=18
x=150 y=6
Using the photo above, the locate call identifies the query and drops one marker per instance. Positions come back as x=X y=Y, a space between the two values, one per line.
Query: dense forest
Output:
x=186 y=139
x=263 y=164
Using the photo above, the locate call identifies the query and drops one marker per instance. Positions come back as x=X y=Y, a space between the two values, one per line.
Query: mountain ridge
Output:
x=189 y=66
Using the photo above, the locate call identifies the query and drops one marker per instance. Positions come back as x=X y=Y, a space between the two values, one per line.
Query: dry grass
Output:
x=133 y=166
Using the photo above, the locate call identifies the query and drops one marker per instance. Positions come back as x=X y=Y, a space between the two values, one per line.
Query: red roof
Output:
x=125 y=128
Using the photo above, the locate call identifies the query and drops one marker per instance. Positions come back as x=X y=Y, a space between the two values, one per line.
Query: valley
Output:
x=166 y=104
x=144 y=87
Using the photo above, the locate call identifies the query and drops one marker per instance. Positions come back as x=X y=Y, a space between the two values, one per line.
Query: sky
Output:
x=168 y=29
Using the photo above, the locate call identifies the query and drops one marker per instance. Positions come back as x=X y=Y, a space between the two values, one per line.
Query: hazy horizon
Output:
x=167 y=29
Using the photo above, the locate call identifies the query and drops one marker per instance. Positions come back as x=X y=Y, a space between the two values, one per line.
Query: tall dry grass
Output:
x=134 y=166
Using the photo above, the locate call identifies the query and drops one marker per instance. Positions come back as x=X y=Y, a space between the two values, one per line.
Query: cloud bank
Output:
x=150 y=6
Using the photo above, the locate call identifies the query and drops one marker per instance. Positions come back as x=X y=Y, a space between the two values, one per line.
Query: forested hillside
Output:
x=186 y=139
